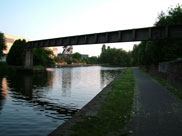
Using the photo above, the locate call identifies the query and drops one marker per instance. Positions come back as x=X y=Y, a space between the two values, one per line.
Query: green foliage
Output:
x=58 y=59
x=42 y=56
x=153 y=52
x=77 y=56
x=69 y=61
x=115 y=56
x=173 y=17
x=114 y=114
x=93 y=60
x=85 y=60
x=2 y=44
x=16 y=53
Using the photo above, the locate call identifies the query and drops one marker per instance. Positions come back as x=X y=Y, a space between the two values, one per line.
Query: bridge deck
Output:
x=140 y=34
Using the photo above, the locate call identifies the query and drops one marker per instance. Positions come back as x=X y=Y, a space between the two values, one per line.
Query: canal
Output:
x=37 y=104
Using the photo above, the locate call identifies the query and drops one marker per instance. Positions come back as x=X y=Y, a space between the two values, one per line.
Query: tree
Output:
x=16 y=53
x=115 y=56
x=103 y=48
x=85 y=60
x=77 y=56
x=93 y=60
x=2 y=44
x=42 y=56
x=153 y=52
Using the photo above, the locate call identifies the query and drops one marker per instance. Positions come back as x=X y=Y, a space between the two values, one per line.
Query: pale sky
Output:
x=44 y=19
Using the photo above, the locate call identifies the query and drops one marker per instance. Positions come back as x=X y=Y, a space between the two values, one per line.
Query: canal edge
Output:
x=90 y=109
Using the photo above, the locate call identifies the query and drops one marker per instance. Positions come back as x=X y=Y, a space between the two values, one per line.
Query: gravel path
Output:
x=156 y=111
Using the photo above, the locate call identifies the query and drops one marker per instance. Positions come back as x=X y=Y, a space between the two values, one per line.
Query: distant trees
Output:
x=114 y=56
x=93 y=60
x=77 y=56
x=153 y=52
x=2 y=44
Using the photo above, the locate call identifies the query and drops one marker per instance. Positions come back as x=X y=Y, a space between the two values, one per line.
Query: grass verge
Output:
x=175 y=91
x=114 y=115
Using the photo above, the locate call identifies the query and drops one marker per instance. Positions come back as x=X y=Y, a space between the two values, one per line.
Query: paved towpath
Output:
x=157 y=112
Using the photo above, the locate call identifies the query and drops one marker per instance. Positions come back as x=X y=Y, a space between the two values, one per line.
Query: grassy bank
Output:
x=6 y=69
x=175 y=91
x=114 y=115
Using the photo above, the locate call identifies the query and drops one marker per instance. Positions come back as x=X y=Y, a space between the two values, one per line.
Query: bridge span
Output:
x=139 y=34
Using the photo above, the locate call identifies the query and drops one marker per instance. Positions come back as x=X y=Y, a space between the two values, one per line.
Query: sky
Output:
x=45 y=19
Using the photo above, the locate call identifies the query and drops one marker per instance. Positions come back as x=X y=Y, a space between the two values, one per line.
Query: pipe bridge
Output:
x=139 y=34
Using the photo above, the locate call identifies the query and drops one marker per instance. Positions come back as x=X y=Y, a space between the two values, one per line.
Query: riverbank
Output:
x=108 y=113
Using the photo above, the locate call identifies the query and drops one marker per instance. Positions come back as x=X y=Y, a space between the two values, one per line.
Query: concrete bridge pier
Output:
x=28 y=64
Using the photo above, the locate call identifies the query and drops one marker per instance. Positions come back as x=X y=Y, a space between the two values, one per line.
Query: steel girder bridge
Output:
x=140 y=34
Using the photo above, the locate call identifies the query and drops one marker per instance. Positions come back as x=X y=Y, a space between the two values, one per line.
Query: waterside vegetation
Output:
x=115 y=113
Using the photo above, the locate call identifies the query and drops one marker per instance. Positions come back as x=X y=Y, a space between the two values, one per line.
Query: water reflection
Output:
x=30 y=88
x=4 y=89
x=107 y=74
x=66 y=81
x=41 y=102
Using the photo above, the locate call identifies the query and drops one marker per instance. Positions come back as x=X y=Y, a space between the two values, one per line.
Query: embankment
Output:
x=107 y=113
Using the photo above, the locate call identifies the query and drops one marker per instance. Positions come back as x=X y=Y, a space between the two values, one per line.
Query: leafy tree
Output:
x=2 y=44
x=115 y=56
x=42 y=56
x=153 y=52
x=103 y=48
x=85 y=60
x=77 y=56
x=58 y=59
x=93 y=60
x=16 y=53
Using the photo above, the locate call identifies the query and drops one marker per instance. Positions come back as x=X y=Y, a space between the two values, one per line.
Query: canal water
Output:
x=35 y=105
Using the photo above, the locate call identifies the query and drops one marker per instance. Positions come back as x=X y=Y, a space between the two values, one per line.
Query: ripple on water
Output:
x=38 y=104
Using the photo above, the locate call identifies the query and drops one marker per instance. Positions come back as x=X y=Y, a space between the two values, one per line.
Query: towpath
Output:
x=157 y=112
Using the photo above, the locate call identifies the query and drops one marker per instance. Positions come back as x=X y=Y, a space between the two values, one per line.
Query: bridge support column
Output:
x=28 y=64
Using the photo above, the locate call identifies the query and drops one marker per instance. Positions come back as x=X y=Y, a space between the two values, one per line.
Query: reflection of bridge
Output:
x=141 y=34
